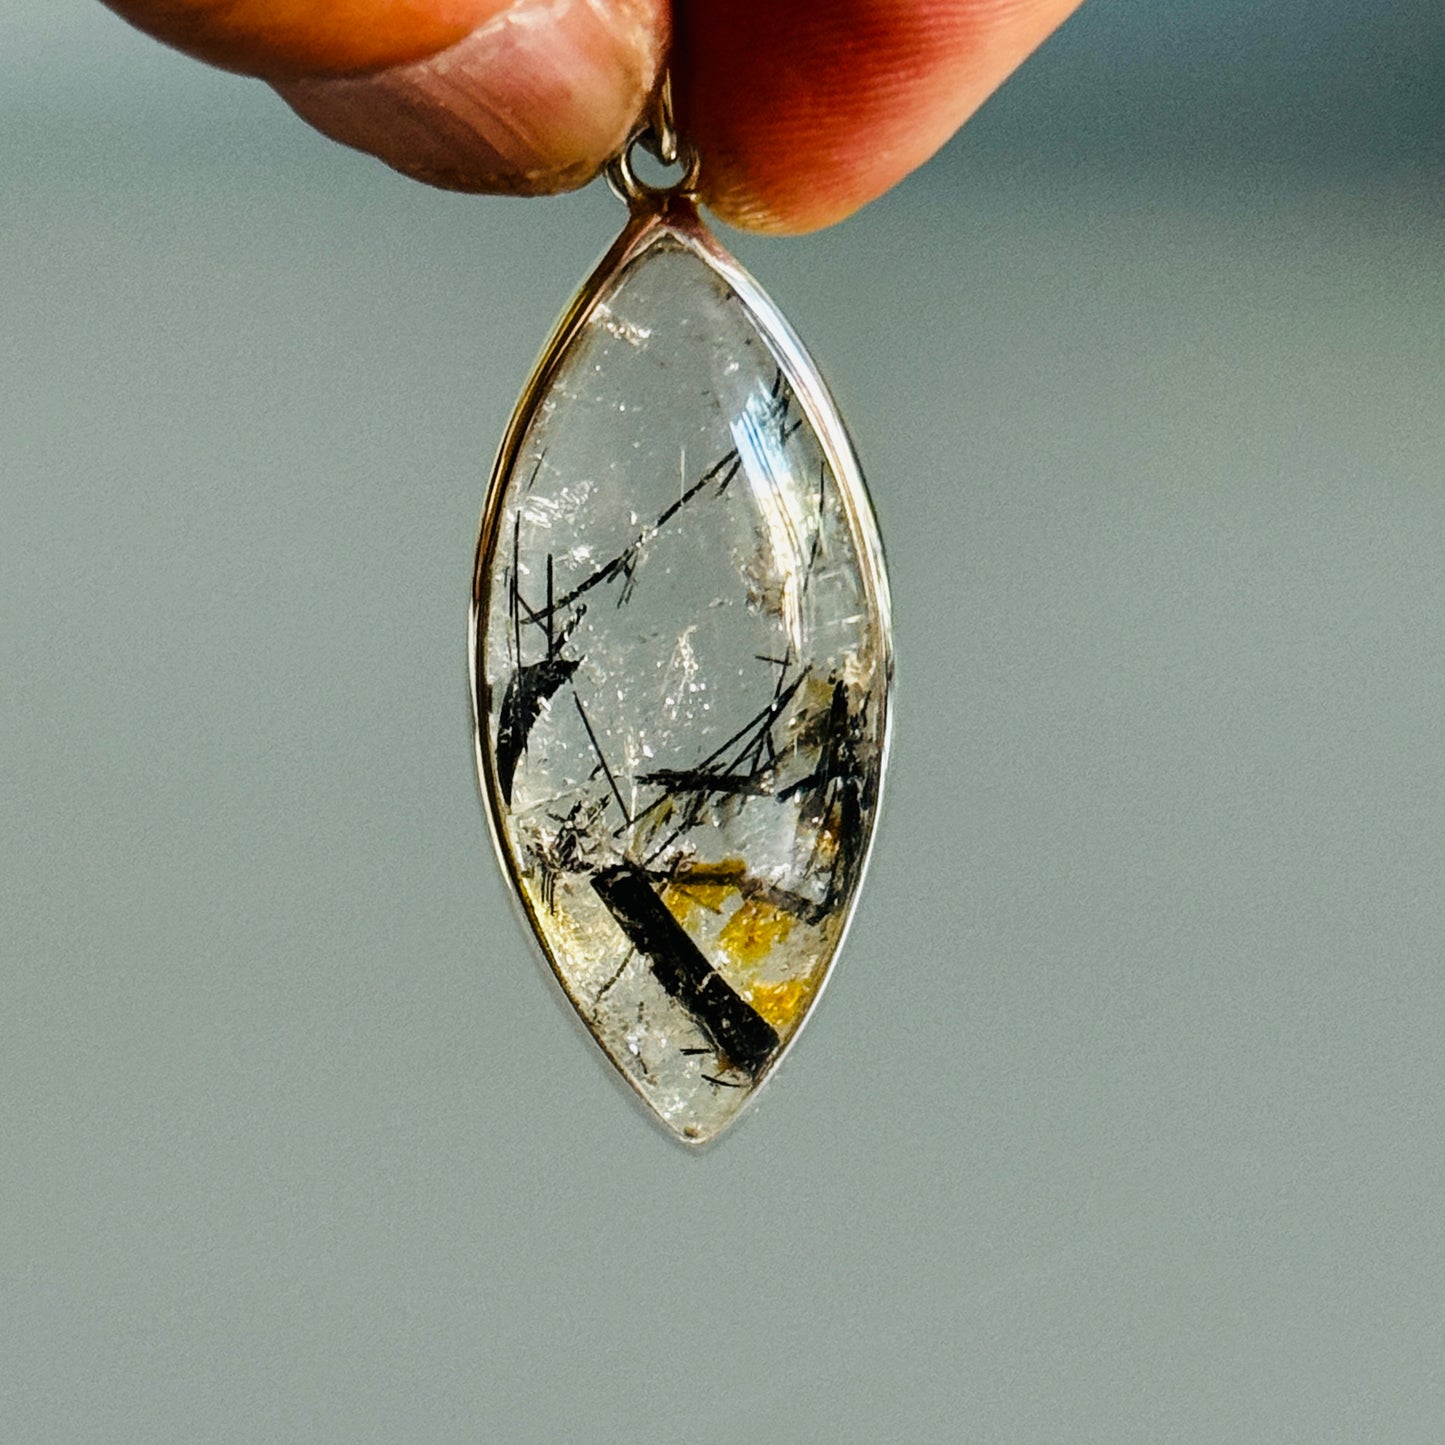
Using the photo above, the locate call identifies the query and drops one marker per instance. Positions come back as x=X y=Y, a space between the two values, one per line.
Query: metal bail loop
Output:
x=658 y=136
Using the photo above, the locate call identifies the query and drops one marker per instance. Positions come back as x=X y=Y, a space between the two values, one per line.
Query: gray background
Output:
x=1121 y=1121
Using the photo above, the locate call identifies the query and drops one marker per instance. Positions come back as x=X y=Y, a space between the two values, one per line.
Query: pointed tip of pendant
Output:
x=697 y=1137
x=698 y=1130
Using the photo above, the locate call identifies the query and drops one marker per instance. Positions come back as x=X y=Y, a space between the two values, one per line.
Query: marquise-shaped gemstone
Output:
x=682 y=662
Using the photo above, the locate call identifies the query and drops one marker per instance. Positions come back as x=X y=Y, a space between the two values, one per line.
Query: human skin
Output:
x=802 y=112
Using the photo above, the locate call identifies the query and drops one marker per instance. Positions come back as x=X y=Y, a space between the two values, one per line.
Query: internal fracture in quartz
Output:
x=683 y=664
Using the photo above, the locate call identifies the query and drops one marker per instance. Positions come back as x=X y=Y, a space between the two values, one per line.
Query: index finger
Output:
x=803 y=112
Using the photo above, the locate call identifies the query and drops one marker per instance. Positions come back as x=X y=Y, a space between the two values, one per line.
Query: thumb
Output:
x=518 y=96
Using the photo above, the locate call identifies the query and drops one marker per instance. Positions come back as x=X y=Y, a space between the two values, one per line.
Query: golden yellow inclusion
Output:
x=749 y=935
x=688 y=892
x=747 y=939
x=755 y=926
x=783 y=1003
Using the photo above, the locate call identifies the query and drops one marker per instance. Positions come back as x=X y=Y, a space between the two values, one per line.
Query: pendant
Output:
x=681 y=663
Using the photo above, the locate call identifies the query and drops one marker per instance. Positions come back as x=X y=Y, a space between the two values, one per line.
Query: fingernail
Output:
x=534 y=102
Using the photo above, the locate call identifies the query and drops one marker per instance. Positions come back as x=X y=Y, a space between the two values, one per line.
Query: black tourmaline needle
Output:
x=737 y=1030
x=527 y=690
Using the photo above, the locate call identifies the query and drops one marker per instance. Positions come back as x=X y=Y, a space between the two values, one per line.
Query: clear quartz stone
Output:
x=682 y=668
